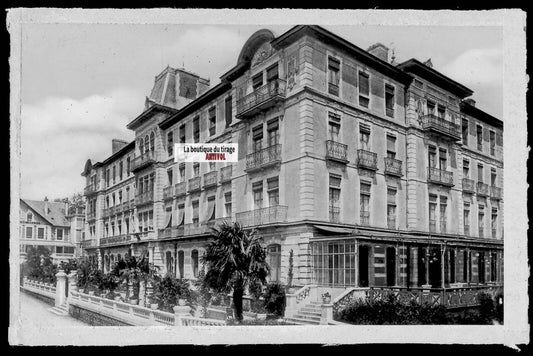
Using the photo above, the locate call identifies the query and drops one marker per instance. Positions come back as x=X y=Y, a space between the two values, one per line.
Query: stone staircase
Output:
x=310 y=314
x=61 y=310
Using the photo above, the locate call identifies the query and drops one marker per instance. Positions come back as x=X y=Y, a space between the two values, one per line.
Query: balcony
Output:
x=195 y=184
x=365 y=218
x=495 y=192
x=270 y=215
x=144 y=198
x=261 y=99
x=334 y=214
x=264 y=158
x=114 y=240
x=143 y=160
x=469 y=186
x=180 y=189
x=367 y=160
x=91 y=189
x=106 y=212
x=118 y=208
x=225 y=174
x=91 y=216
x=167 y=193
x=112 y=211
x=482 y=189
x=89 y=243
x=336 y=151
x=210 y=179
x=441 y=126
x=393 y=167
x=440 y=176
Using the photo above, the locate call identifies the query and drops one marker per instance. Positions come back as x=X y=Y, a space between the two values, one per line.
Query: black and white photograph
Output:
x=202 y=176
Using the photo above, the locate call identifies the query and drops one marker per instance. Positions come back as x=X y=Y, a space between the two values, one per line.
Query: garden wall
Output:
x=41 y=297
x=93 y=318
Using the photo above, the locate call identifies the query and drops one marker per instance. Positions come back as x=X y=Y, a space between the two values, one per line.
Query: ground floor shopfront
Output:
x=337 y=257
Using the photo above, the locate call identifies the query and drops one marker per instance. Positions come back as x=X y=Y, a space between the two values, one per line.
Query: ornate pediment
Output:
x=263 y=53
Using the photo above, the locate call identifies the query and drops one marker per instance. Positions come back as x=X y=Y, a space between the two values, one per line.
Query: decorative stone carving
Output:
x=264 y=52
x=292 y=71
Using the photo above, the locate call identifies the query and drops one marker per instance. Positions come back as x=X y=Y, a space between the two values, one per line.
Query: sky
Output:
x=82 y=83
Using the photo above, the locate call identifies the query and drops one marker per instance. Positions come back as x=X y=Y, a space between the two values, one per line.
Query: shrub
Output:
x=274 y=299
x=169 y=289
x=487 y=308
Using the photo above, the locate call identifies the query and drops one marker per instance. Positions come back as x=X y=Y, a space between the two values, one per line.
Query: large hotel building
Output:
x=374 y=173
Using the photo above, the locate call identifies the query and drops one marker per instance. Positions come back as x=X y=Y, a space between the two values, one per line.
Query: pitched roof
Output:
x=56 y=211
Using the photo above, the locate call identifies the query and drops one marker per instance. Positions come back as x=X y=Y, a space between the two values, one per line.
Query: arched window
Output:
x=29 y=216
x=152 y=142
x=181 y=262
x=274 y=261
x=119 y=257
x=146 y=144
x=194 y=262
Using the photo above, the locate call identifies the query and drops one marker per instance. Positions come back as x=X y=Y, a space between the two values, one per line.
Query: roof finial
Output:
x=428 y=63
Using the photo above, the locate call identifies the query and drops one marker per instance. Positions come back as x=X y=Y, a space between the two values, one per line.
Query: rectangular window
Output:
x=182 y=172
x=195 y=212
x=333 y=75
x=273 y=191
x=481 y=220
x=432 y=157
x=443 y=159
x=443 y=213
x=466 y=168
x=479 y=135
x=391 y=146
x=272 y=73
x=493 y=177
x=40 y=233
x=494 y=222
x=334 y=197
x=480 y=173
x=228 y=111
x=196 y=129
x=257 y=81
x=364 y=89
x=273 y=132
x=430 y=107
x=492 y=138
x=170 y=176
x=114 y=174
x=227 y=204
x=464 y=131
x=433 y=213
x=29 y=232
x=107 y=178
x=182 y=133
x=59 y=234
x=365 y=203
x=391 y=208
x=364 y=137
x=333 y=263
x=196 y=169
x=170 y=143
x=334 y=126
x=257 y=189
x=389 y=100
x=257 y=137
x=120 y=169
x=212 y=121
x=441 y=111
x=466 y=219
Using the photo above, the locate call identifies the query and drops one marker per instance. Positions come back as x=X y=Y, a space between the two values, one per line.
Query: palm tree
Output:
x=235 y=259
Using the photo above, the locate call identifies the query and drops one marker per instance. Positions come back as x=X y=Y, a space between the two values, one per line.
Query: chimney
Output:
x=117 y=145
x=45 y=206
x=470 y=101
x=379 y=50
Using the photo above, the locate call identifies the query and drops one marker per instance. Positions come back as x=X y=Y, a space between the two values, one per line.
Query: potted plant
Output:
x=154 y=306
x=326 y=298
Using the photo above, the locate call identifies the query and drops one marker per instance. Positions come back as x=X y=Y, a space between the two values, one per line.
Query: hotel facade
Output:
x=372 y=172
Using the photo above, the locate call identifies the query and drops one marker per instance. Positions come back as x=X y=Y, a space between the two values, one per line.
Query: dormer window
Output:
x=29 y=216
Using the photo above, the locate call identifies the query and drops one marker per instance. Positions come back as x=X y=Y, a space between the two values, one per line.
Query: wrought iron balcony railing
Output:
x=225 y=174
x=495 y=192
x=167 y=193
x=440 y=176
x=263 y=158
x=144 y=198
x=336 y=151
x=180 y=189
x=195 y=184
x=112 y=240
x=262 y=98
x=365 y=218
x=143 y=160
x=482 y=189
x=393 y=167
x=367 y=160
x=90 y=189
x=440 y=125
x=334 y=213
x=270 y=215
x=210 y=179
x=469 y=185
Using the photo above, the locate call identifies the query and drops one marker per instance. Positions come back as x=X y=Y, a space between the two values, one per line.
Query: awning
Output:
x=210 y=209
x=334 y=230
x=181 y=215
x=168 y=218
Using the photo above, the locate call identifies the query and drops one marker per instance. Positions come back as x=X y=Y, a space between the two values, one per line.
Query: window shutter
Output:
x=181 y=215
x=210 y=208
x=257 y=132
x=363 y=83
x=273 y=124
x=391 y=143
x=333 y=63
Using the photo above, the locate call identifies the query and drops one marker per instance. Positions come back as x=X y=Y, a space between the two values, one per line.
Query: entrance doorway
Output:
x=363 y=266
x=481 y=267
x=435 y=263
